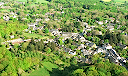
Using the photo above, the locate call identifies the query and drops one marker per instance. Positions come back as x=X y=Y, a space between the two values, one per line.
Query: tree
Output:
x=33 y=0
x=49 y=0
x=46 y=30
x=4 y=73
x=47 y=49
x=60 y=41
x=24 y=46
x=1 y=67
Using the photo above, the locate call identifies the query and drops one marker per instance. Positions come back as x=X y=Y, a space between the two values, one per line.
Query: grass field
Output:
x=40 y=72
x=106 y=0
x=48 y=66
x=115 y=0
x=122 y=1
x=41 y=1
x=35 y=36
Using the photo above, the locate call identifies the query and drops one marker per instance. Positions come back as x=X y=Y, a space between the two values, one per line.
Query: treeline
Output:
x=11 y=28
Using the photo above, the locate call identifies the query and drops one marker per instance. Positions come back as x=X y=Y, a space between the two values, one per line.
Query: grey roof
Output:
x=90 y=44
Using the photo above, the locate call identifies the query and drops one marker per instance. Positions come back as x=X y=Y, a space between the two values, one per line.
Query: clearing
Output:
x=40 y=72
x=106 y=0
x=35 y=36
x=48 y=66
x=41 y=1
x=121 y=1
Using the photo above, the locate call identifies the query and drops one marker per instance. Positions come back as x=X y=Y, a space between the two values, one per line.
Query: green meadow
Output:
x=41 y=1
x=47 y=66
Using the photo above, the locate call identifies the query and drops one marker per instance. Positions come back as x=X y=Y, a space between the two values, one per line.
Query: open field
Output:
x=106 y=0
x=49 y=65
x=122 y=1
x=41 y=1
x=40 y=72
x=35 y=36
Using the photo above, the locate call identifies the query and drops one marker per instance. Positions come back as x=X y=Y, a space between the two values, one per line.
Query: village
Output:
x=93 y=49
x=106 y=48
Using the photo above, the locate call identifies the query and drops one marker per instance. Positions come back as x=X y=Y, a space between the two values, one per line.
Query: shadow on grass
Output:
x=67 y=70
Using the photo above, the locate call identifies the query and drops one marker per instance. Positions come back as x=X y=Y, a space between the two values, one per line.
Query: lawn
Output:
x=122 y=1
x=49 y=66
x=106 y=0
x=40 y=72
x=41 y=1
x=35 y=36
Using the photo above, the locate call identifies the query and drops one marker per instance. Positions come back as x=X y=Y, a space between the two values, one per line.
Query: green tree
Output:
x=46 y=30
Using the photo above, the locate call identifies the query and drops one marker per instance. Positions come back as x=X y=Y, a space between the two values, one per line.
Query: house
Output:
x=110 y=28
x=6 y=18
x=88 y=29
x=112 y=19
x=32 y=25
x=100 y=50
x=92 y=45
x=24 y=19
x=85 y=24
x=118 y=26
x=74 y=35
x=72 y=52
x=81 y=46
x=122 y=46
x=62 y=12
x=14 y=16
x=106 y=21
x=37 y=20
x=47 y=13
x=54 y=31
x=81 y=38
x=107 y=46
x=100 y=22
x=1 y=3
x=68 y=50
x=12 y=36
x=114 y=60
x=86 y=52
x=66 y=34
x=114 y=54
x=47 y=19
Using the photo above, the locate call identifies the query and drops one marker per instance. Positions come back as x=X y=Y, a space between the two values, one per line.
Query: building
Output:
x=72 y=52
x=54 y=31
x=12 y=36
x=6 y=18
x=110 y=28
x=112 y=19
x=32 y=25
x=100 y=22
x=1 y=3
x=92 y=45
x=107 y=46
